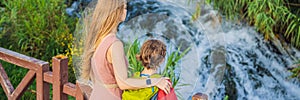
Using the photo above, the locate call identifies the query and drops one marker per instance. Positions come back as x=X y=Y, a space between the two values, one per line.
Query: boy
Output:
x=151 y=55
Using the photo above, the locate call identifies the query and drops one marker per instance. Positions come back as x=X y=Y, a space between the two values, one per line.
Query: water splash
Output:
x=255 y=68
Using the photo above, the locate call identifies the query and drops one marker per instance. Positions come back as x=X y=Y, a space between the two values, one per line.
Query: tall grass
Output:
x=272 y=18
x=169 y=69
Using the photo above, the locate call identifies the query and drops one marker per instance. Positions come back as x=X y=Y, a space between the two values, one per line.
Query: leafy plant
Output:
x=172 y=61
x=37 y=28
x=134 y=64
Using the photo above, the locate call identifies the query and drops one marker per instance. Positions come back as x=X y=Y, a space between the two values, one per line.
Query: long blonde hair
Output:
x=105 y=17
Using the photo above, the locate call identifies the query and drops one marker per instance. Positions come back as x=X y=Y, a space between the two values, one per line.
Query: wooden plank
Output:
x=42 y=87
x=48 y=77
x=23 y=85
x=79 y=93
x=60 y=77
x=70 y=89
x=5 y=83
x=85 y=89
x=20 y=59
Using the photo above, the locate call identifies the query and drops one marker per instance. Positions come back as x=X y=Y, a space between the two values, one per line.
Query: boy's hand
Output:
x=164 y=84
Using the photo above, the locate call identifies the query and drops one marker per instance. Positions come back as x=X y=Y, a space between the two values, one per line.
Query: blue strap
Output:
x=147 y=75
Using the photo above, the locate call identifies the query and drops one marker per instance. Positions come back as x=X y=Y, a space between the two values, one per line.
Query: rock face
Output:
x=217 y=70
x=218 y=60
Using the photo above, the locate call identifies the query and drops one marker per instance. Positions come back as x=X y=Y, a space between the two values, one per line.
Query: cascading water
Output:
x=255 y=69
x=252 y=68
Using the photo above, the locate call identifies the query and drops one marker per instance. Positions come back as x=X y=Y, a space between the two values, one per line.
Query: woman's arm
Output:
x=120 y=71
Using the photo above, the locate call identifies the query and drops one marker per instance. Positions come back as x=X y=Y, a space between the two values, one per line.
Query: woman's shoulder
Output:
x=112 y=38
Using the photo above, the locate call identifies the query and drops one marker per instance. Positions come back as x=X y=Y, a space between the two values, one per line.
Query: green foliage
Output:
x=134 y=64
x=198 y=10
x=296 y=70
x=37 y=28
x=272 y=18
x=226 y=97
x=230 y=8
x=173 y=59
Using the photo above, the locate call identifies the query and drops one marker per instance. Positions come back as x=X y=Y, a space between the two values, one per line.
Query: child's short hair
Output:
x=152 y=53
x=200 y=96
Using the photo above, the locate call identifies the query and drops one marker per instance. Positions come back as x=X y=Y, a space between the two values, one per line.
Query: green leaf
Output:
x=290 y=28
x=226 y=97
x=297 y=42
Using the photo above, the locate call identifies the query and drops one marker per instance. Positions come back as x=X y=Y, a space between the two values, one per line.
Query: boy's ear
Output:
x=162 y=60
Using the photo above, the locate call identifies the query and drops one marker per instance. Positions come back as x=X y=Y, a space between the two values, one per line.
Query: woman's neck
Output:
x=148 y=71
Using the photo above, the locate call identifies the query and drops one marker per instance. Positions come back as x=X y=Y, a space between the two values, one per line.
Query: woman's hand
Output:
x=164 y=85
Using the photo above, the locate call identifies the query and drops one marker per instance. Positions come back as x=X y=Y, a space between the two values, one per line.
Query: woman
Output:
x=103 y=56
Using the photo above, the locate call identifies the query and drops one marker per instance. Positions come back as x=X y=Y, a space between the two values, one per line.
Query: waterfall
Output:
x=253 y=68
x=226 y=59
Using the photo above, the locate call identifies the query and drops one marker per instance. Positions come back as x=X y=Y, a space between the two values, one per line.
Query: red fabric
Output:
x=163 y=96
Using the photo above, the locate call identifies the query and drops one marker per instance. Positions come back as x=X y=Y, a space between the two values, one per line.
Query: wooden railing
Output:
x=39 y=70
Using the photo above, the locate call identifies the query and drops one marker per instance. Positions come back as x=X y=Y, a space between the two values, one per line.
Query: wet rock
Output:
x=218 y=66
x=218 y=61
x=230 y=85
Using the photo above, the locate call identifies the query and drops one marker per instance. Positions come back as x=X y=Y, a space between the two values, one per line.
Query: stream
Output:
x=226 y=59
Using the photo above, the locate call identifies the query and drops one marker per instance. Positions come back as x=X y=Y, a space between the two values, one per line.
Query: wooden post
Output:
x=42 y=87
x=60 y=77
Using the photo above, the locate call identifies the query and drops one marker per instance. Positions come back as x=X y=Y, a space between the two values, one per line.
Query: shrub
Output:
x=37 y=28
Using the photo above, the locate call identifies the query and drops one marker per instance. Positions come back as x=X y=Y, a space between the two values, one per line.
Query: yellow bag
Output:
x=140 y=94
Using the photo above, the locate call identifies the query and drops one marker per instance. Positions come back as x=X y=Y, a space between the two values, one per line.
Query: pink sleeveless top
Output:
x=105 y=85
